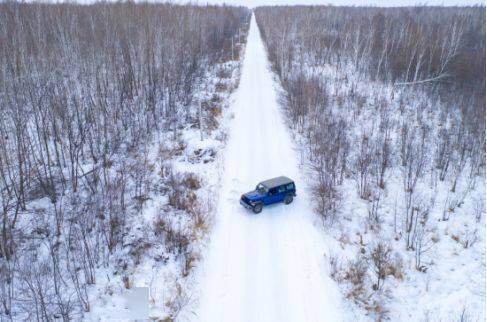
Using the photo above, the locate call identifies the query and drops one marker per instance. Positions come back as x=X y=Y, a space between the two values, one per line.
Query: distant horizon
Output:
x=258 y=3
x=362 y=3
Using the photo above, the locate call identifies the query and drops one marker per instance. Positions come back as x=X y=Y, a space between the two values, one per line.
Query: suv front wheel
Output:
x=257 y=208
x=288 y=199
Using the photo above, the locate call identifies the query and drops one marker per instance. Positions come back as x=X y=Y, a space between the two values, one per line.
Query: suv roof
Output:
x=276 y=182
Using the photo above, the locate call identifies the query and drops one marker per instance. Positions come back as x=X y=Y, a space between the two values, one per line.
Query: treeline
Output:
x=395 y=44
x=82 y=87
x=437 y=46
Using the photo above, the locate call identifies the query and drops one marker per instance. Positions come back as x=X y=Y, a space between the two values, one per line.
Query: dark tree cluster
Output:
x=83 y=89
x=438 y=47
x=402 y=45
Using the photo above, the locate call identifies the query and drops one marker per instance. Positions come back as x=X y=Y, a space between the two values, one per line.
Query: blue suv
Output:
x=269 y=192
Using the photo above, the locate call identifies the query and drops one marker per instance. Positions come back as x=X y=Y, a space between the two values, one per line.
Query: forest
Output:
x=114 y=117
x=389 y=106
x=84 y=92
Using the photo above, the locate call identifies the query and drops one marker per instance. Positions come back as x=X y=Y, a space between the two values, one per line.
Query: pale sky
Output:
x=381 y=3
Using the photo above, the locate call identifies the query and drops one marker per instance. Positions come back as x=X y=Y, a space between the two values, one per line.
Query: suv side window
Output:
x=290 y=186
x=272 y=191
x=282 y=189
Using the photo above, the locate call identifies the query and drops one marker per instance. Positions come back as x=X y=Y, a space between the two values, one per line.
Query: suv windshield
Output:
x=260 y=188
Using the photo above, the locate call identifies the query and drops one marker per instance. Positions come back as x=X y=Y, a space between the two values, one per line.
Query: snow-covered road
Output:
x=271 y=266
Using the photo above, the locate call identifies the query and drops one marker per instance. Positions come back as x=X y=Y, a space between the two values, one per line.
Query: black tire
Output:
x=288 y=199
x=257 y=208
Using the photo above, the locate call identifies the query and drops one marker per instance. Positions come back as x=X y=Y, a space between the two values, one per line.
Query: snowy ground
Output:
x=454 y=283
x=271 y=266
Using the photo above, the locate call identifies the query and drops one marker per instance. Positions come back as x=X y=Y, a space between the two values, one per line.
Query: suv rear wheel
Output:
x=257 y=208
x=288 y=199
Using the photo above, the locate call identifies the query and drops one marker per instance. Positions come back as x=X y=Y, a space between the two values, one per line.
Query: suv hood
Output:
x=253 y=195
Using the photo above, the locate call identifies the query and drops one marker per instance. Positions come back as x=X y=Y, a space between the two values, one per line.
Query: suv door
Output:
x=282 y=192
x=277 y=194
x=272 y=196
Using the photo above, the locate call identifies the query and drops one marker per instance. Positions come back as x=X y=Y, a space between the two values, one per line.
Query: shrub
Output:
x=181 y=195
x=138 y=248
x=224 y=73
x=191 y=181
x=336 y=269
x=221 y=87
x=126 y=282
x=396 y=268
x=356 y=275
x=381 y=262
x=178 y=300
x=175 y=242
x=190 y=260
